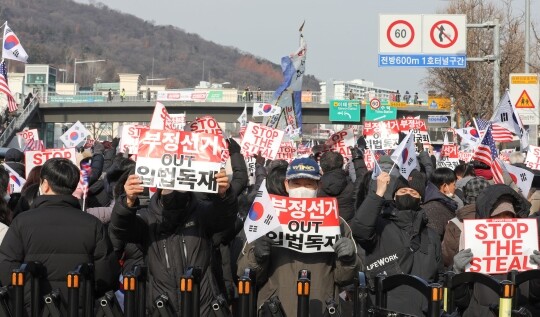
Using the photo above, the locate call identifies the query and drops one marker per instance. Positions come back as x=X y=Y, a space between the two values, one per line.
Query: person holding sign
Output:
x=277 y=266
x=496 y=246
x=175 y=233
x=397 y=240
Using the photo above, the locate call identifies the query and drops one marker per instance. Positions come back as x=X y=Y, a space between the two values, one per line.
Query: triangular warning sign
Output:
x=524 y=101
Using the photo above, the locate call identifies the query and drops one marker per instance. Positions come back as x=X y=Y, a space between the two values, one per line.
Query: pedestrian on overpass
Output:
x=109 y=95
x=123 y=95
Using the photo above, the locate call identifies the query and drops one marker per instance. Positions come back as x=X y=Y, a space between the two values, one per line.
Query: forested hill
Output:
x=58 y=31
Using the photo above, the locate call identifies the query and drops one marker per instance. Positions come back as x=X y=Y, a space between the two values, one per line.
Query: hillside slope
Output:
x=58 y=31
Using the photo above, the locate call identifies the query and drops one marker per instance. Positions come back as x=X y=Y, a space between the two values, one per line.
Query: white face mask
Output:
x=302 y=192
x=450 y=195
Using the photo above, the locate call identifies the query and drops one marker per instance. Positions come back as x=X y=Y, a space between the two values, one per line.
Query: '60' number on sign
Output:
x=400 y=33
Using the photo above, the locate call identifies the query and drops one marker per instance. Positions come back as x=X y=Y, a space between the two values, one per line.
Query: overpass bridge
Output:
x=48 y=117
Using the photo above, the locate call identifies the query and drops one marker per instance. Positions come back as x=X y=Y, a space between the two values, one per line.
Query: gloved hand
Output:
x=361 y=143
x=234 y=147
x=461 y=259
x=262 y=248
x=115 y=143
x=535 y=257
x=356 y=152
x=344 y=249
x=98 y=148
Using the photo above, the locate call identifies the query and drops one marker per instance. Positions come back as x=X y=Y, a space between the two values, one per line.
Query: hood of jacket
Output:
x=334 y=182
x=485 y=203
x=466 y=212
x=434 y=194
x=460 y=183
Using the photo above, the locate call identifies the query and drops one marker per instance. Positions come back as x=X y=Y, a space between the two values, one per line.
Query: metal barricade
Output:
x=135 y=292
x=108 y=306
x=247 y=294
x=18 y=281
x=163 y=307
x=53 y=304
x=190 y=293
x=432 y=292
x=80 y=282
x=361 y=296
x=303 y=288
x=5 y=310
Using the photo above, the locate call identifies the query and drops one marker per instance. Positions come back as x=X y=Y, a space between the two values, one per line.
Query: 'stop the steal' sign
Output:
x=179 y=160
x=500 y=245
x=263 y=139
x=308 y=225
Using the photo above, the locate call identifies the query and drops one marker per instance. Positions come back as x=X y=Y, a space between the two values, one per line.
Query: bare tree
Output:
x=472 y=87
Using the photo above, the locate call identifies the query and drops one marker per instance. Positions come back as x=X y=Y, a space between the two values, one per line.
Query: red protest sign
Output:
x=500 y=245
x=308 y=225
x=287 y=152
x=38 y=158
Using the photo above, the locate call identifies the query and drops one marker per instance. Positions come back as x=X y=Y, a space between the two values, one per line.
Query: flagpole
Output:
x=390 y=172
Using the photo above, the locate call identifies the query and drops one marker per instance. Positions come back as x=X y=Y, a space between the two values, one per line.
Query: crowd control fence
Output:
x=80 y=300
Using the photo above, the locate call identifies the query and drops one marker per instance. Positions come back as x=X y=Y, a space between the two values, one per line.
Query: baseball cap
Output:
x=303 y=168
x=504 y=206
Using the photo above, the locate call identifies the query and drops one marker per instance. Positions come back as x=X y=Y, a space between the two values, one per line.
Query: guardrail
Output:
x=21 y=116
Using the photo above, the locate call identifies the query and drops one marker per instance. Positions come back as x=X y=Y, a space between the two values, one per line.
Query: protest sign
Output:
x=38 y=158
x=26 y=135
x=178 y=120
x=465 y=156
x=449 y=156
x=129 y=141
x=161 y=119
x=500 y=245
x=259 y=138
x=287 y=151
x=308 y=225
x=369 y=159
x=179 y=160
x=445 y=161
x=250 y=164
x=207 y=124
x=381 y=135
x=341 y=141
x=533 y=157
x=418 y=128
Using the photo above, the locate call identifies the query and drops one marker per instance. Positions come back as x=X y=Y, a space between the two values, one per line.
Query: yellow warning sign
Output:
x=524 y=101
x=524 y=79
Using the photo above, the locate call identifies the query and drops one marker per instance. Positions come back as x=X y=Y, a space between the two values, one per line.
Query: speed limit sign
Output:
x=400 y=33
x=375 y=103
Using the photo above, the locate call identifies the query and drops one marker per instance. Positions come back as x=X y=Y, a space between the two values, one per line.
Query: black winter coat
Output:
x=388 y=240
x=337 y=184
x=59 y=235
x=439 y=209
x=175 y=232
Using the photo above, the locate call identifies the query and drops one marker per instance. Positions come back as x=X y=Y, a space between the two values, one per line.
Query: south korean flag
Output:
x=262 y=217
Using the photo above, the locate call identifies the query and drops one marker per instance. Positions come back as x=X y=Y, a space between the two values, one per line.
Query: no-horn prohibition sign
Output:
x=400 y=33
x=444 y=34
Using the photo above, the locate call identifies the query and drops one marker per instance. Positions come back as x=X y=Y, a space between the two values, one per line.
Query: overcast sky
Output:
x=342 y=36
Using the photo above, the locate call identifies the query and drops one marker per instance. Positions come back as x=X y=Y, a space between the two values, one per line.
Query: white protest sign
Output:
x=38 y=158
x=287 y=152
x=341 y=141
x=500 y=245
x=260 y=138
x=129 y=141
x=178 y=120
x=533 y=157
x=308 y=225
x=250 y=164
x=26 y=135
x=179 y=160
x=161 y=119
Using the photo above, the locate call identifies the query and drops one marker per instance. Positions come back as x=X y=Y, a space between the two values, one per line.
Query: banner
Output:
x=500 y=245
x=179 y=160
x=38 y=158
x=308 y=225
x=533 y=157
x=259 y=138
x=381 y=135
x=26 y=135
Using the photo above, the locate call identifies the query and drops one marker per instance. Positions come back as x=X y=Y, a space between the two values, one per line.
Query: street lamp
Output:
x=64 y=76
x=154 y=79
x=75 y=70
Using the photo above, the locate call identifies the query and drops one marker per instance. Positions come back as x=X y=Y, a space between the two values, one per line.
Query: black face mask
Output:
x=407 y=202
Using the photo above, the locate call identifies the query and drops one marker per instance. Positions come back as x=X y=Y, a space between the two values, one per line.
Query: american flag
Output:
x=487 y=151
x=4 y=88
x=501 y=134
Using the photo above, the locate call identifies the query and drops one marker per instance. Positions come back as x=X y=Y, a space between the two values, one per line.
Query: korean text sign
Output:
x=179 y=160
x=500 y=245
x=308 y=225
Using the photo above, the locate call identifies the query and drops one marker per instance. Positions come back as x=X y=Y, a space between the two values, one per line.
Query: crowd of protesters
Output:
x=389 y=225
